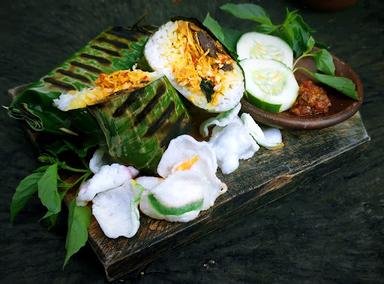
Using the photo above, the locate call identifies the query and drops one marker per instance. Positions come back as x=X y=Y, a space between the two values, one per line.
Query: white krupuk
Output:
x=117 y=212
x=108 y=177
x=269 y=138
x=188 y=169
x=231 y=144
x=97 y=161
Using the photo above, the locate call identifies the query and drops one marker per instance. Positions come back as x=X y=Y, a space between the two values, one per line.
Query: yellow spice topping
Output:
x=186 y=165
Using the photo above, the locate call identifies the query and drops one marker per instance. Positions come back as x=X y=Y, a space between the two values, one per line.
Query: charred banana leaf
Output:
x=116 y=48
x=139 y=125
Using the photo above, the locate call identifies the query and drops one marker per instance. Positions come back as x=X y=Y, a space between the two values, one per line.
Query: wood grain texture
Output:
x=258 y=181
x=330 y=230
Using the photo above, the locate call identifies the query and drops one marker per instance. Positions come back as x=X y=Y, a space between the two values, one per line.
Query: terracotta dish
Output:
x=342 y=107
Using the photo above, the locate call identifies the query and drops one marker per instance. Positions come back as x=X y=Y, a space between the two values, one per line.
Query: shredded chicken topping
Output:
x=108 y=84
x=192 y=64
x=122 y=80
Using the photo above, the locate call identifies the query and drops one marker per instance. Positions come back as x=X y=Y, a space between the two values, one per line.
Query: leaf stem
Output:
x=303 y=69
x=69 y=168
x=67 y=186
x=301 y=57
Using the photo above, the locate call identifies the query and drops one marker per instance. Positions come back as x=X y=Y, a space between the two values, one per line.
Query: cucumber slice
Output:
x=270 y=85
x=261 y=46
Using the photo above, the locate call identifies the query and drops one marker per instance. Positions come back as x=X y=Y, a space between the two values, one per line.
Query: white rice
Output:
x=160 y=53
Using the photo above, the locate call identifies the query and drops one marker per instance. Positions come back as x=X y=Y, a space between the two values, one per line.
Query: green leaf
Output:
x=34 y=105
x=343 y=85
x=65 y=146
x=47 y=189
x=310 y=43
x=228 y=37
x=251 y=12
x=324 y=62
x=24 y=191
x=46 y=159
x=231 y=37
x=266 y=29
x=206 y=87
x=295 y=32
x=214 y=27
x=79 y=219
x=50 y=219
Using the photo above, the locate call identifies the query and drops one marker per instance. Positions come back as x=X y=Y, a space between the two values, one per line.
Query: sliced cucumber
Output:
x=270 y=85
x=261 y=46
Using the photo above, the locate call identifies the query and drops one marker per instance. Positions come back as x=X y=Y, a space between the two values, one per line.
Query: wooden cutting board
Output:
x=258 y=182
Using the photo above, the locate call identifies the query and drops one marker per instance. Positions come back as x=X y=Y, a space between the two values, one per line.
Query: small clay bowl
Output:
x=342 y=107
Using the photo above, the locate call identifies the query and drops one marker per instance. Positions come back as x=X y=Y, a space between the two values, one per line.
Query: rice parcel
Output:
x=196 y=65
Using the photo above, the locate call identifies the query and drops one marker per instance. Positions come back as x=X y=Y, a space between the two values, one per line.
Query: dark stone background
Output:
x=330 y=230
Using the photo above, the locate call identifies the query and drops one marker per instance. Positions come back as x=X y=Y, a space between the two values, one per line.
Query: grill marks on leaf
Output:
x=86 y=67
x=106 y=50
x=60 y=84
x=115 y=43
x=158 y=123
x=115 y=37
x=152 y=103
x=177 y=127
x=161 y=120
x=125 y=33
x=99 y=59
x=74 y=75
x=125 y=105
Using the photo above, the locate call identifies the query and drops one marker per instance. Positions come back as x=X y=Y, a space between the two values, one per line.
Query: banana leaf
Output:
x=139 y=125
x=114 y=49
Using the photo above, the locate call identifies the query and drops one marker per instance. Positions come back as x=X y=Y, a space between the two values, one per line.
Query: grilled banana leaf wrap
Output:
x=139 y=125
x=115 y=49
x=133 y=127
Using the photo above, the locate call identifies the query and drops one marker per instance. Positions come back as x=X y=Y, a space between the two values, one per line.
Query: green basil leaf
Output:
x=343 y=85
x=47 y=159
x=214 y=27
x=79 y=219
x=24 y=191
x=324 y=62
x=310 y=43
x=228 y=37
x=50 y=219
x=47 y=189
x=231 y=37
x=251 y=12
x=41 y=169
x=266 y=29
x=295 y=32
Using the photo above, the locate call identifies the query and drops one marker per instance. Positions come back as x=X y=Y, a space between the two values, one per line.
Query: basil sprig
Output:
x=295 y=31
x=51 y=189
x=79 y=219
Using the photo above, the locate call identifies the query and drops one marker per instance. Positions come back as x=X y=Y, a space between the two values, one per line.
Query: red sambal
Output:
x=312 y=100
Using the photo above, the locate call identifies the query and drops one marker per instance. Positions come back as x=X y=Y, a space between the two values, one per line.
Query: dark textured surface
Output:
x=257 y=182
x=331 y=229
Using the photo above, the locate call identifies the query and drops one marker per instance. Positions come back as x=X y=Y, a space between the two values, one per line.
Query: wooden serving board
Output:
x=258 y=181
